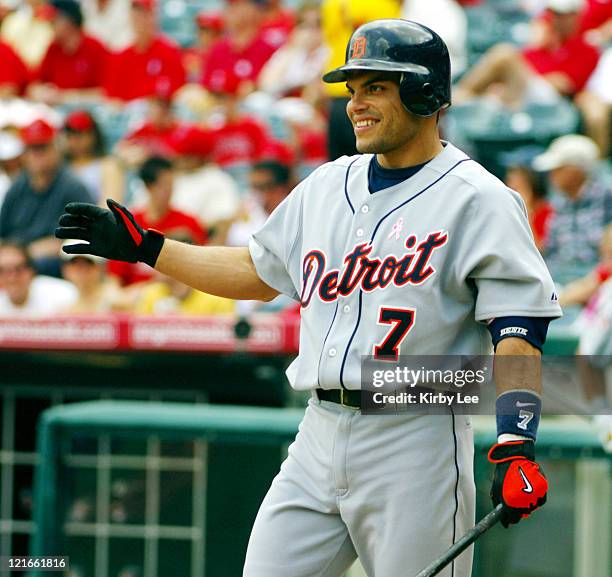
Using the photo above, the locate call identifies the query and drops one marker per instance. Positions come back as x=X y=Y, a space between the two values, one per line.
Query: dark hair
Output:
x=538 y=182
x=280 y=172
x=70 y=9
x=151 y=168
x=536 y=179
x=20 y=247
x=99 y=148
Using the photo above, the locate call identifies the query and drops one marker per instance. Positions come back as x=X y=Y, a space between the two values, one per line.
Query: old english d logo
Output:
x=359 y=47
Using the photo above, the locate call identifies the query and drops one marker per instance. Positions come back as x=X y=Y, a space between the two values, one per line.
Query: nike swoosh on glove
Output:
x=112 y=234
x=519 y=482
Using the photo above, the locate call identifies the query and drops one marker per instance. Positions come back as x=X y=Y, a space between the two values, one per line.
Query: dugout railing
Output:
x=46 y=362
x=234 y=453
x=51 y=362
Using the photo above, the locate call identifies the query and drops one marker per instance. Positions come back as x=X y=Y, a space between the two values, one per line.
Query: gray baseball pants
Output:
x=395 y=490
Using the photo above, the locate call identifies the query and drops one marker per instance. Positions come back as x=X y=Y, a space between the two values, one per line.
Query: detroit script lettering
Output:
x=359 y=270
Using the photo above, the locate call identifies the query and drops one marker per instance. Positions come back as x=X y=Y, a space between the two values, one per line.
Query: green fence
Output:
x=151 y=489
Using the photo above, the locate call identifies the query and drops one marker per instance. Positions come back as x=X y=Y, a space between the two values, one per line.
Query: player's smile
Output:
x=363 y=124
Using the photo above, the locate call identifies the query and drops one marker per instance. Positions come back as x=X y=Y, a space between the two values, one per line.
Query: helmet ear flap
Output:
x=405 y=91
x=417 y=95
x=427 y=91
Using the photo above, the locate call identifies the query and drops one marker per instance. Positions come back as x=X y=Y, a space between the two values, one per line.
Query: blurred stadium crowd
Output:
x=201 y=115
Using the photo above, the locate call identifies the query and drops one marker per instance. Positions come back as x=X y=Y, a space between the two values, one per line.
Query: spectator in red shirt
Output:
x=85 y=153
x=243 y=50
x=202 y=189
x=74 y=66
x=532 y=188
x=195 y=58
x=237 y=139
x=14 y=75
x=595 y=102
x=278 y=22
x=559 y=64
x=135 y=71
x=596 y=21
x=157 y=175
x=155 y=136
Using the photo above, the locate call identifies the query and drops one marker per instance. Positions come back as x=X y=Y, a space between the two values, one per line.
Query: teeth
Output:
x=363 y=123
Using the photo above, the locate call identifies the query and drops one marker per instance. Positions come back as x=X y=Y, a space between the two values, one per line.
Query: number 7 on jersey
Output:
x=402 y=321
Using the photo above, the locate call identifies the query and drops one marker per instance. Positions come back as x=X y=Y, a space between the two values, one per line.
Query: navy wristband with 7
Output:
x=518 y=413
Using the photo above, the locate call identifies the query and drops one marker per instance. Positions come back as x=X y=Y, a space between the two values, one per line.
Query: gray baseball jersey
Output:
x=411 y=269
x=406 y=270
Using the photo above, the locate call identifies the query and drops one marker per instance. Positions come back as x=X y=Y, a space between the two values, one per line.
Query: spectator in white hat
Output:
x=582 y=205
x=11 y=149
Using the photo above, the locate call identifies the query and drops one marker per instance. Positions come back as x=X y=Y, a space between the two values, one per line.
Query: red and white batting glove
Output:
x=519 y=482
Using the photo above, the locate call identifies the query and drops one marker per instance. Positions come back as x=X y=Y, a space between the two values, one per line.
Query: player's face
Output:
x=380 y=121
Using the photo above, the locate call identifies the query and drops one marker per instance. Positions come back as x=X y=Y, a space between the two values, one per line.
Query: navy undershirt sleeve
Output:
x=531 y=329
x=380 y=178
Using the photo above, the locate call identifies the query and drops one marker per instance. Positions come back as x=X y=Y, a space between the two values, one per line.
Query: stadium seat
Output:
x=491 y=24
x=240 y=173
x=177 y=20
x=488 y=130
x=306 y=167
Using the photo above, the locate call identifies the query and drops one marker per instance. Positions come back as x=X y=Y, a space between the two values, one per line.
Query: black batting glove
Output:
x=519 y=482
x=111 y=234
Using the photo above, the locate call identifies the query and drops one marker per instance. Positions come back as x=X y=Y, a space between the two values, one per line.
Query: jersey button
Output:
x=359 y=232
x=346 y=308
x=332 y=352
x=365 y=209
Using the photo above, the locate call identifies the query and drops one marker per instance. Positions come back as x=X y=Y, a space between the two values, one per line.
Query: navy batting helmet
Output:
x=417 y=52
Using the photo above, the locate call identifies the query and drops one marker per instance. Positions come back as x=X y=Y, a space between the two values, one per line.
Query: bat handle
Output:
x=457 y=548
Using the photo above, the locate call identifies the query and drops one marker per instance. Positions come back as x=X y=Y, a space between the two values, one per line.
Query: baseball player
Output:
x=410 y=247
